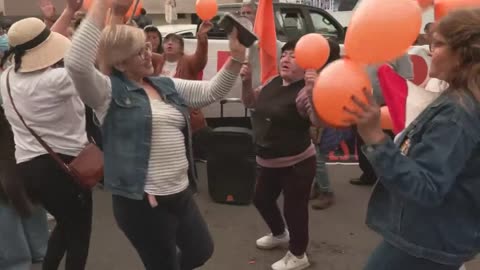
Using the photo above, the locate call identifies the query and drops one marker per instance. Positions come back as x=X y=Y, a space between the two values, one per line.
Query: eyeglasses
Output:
x=145 y=51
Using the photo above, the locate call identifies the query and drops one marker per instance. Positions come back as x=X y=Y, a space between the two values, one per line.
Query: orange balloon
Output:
x=206 y=9
x=312 y=51
x=334 y=88
x=425 y=3
x=443 y=7
x=385 y=118
x=382 y=30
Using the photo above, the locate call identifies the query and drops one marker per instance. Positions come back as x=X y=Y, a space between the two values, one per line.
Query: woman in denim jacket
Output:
x=426 y=204
x=147 y=144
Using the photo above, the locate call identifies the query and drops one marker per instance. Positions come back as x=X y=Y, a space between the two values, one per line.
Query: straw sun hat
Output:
x=40 y=47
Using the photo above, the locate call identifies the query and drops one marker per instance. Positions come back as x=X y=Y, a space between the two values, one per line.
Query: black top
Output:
x=280 y=130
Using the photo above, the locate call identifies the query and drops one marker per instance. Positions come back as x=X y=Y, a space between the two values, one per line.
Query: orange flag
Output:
x=265 y=30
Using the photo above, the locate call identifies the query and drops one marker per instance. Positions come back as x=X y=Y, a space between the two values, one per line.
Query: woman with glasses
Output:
x=149 y=166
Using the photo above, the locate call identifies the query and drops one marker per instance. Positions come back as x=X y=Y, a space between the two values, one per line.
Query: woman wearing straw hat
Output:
x=46 y=98
x=147 y=136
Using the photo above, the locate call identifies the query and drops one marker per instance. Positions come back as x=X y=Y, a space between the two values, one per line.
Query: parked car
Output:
x=184 y=30
x=291 y=21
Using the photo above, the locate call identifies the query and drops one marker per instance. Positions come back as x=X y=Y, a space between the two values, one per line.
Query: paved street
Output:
x=339 y=238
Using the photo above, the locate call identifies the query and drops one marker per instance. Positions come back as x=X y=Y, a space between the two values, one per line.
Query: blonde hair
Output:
x=117 y=44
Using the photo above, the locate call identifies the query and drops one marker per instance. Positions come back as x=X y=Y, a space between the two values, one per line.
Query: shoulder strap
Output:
x=40 y=140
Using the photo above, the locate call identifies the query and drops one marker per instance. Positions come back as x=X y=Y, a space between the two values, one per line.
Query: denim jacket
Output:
x=427 y=199
x=127 y=133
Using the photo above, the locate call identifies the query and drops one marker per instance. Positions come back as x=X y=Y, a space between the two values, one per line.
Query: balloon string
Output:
x=134 y=11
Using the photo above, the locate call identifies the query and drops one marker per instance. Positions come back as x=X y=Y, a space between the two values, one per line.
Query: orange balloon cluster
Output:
x=334 y=88
x=443 y=7
x=382 y=30
x=206 y=9
x=379 y=31
x=312 y=51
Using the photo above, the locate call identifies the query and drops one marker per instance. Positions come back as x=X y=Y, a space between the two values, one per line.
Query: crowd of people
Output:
x=88 y=77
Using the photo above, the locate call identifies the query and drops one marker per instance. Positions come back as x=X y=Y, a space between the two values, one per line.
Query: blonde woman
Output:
x=147 y=136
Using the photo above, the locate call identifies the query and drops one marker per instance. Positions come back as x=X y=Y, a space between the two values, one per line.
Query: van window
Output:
x=292 y=22
x=323 y=25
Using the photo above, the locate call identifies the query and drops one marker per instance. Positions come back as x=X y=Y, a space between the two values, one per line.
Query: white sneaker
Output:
x=271 y=242
x=291 y=262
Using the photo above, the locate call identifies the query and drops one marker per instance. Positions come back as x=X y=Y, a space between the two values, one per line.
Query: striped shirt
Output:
x=167 y=165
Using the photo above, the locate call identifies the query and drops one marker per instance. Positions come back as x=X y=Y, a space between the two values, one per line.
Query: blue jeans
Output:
x=388 y=257
x=22 y=239
x=322 y=182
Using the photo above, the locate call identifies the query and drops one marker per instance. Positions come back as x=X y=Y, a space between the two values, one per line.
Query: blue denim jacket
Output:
x=127 y=133
x=427 y=200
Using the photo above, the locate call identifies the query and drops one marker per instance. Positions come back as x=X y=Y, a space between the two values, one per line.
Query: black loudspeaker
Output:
x=231 y=166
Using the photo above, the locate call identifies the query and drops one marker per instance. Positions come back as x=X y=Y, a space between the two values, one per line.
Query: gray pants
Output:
x=321 y=181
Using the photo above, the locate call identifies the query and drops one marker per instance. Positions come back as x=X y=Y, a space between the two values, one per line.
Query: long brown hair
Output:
x=461 y=30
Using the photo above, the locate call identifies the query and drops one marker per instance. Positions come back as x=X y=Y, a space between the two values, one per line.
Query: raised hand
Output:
x=310 y=78
x=237 y=50
x=205 y=27
x=48 y=9
x=246 y=72
x=74 y=5
x=121 y=7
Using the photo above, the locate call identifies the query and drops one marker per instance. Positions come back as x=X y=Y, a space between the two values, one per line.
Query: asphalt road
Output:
x=339 y=238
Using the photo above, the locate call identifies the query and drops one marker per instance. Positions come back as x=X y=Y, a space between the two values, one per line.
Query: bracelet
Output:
x=238 y=61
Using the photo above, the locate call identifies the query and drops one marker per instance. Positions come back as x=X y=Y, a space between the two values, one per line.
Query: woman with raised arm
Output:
x=146 y=136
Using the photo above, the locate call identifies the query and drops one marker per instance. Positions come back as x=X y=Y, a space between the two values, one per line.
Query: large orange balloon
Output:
x=206 y=9
x=443 y=7
x=385 y=118
x=312 y=51
x=334 y=88
x=382 y=30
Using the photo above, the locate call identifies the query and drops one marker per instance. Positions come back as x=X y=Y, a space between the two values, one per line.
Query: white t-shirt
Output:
x=169 y=69
x=50 y=105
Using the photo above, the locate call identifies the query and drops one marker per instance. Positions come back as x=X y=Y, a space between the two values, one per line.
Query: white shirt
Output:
x=169 y=69
x=168 y=164
x=50 y=105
